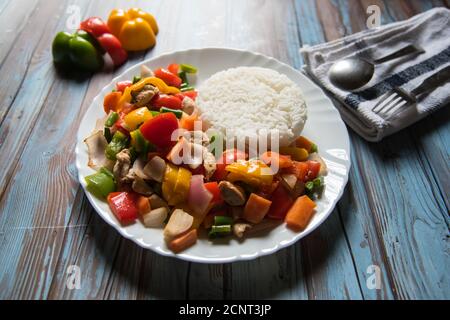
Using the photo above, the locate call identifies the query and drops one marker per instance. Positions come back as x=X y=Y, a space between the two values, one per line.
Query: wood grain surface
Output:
x=394 y=213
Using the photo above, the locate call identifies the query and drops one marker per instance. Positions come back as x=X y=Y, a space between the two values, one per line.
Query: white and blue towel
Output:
x=429 y=30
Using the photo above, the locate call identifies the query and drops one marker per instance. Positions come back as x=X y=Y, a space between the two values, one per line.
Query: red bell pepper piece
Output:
x=168 y=77
x=281 y=203
x=158 y=130
x=313 y=170
x=191 y=94
x=123 y=205
x=122 y=85
x=168 y=101
x=173 y=68
x=213 y=187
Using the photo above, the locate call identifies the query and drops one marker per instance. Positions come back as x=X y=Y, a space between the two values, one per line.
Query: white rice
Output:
x=240 y=102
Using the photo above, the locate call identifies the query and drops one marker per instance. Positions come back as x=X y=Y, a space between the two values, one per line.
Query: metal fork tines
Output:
x=392 y=102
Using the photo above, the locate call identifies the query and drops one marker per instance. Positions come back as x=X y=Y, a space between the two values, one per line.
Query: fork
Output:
x=391 y=102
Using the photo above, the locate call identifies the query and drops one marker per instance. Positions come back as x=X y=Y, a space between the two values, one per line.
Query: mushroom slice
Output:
x=157 y=202
x=141 y=187
x=239 y=228
x=96 y=144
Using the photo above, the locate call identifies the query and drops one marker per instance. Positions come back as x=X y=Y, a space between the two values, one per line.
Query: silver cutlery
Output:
x=353 y=73
x=393 y=101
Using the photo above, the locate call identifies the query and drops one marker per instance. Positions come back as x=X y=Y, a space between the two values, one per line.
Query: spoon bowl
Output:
x=351 y=74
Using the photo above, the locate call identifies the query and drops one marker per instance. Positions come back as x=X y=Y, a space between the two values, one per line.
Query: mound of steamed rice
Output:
x=240 y=102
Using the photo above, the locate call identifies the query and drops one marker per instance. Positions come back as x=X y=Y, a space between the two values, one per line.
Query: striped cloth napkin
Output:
x=429 y=30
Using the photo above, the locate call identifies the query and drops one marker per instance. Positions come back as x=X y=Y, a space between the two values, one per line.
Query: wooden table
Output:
x=393 y=215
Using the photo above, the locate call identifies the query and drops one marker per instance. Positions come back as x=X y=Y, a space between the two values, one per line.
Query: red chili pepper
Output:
x=168 y=77
x=168 y=101
x=123 y=205
x=158 y=130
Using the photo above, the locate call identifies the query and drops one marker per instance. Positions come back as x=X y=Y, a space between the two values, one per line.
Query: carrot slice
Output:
x=302 y=142
x=143 y=204
x=283 y=161
x=256 y=208
x=185 y=241
x=110 y=101
x=300 y=213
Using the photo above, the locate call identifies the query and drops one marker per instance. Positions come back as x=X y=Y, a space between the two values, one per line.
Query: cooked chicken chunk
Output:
x=122 y=167
x=188 y=105
x=239 y=228
x=143 y=97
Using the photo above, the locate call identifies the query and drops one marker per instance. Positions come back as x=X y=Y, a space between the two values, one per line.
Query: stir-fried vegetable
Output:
x=146 y=174
x=101 y=183
x=118 y=143
x=123 y=205
x=254 y=172
x=159 y=129
x=300 y=213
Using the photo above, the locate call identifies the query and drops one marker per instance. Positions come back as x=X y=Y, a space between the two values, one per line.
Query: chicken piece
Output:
x=239 y=228
x=188 y=105
x=122 y=167
x=209 y=163
x=143 y=97
x=231 y=194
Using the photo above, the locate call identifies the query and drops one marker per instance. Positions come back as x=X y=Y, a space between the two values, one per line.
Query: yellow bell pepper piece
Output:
x=136 y=117
x=135 y=28
x=176 y=183
x=170 y=178
x=182 y=184
x=249 y=172
x=161 y=85
x=297 y=154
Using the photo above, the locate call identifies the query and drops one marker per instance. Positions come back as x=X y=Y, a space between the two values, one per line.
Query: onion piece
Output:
x=155 y=218
x=138 y=168
x=199 y=197
x=96 y=144
x=179 y=222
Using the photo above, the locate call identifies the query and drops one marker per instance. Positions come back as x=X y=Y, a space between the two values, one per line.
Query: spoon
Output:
x=353 y=73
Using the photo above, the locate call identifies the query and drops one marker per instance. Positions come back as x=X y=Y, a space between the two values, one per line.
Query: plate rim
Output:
x=213 y=260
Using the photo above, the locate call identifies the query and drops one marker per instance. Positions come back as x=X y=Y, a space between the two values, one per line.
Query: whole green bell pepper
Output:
x=76 y=51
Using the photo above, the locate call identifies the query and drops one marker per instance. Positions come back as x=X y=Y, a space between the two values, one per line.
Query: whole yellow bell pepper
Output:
x=161 y=85
x=133 y=119
x=250 y=172
x=135 y=28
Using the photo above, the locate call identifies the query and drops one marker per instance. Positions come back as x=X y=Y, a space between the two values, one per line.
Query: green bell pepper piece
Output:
x=188 y=68
x=100 y=184
x=118 y=142
x=177 y=113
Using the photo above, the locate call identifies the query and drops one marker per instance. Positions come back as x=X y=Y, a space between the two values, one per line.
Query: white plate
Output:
x=324 y=126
